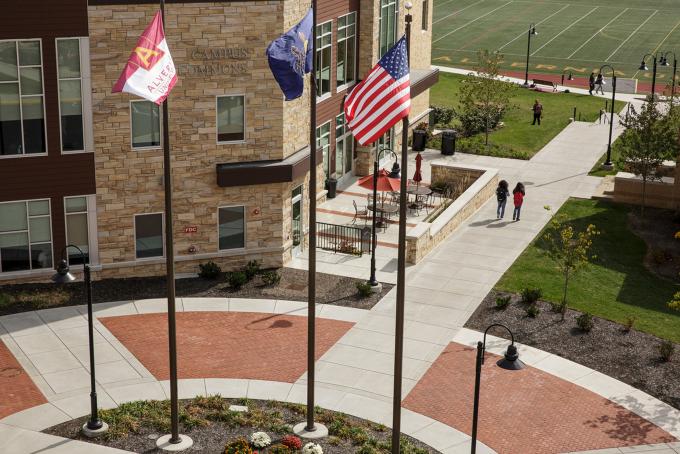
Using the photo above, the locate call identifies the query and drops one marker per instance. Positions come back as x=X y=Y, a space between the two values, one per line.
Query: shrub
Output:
x=666 y=350
x=271 y=278
x=251 y=269
x=260 y=440
x=280 y=449
x=629 y=324
x=238 y=446
x=210 y=270
x=364 y=289
x=312 y=448
x=367 y=449
x=533 y=310
x=4 y=300
x=585 y=322
x=292 y=442
x=334 y=441
x=236 y=279
x=675 y=302
x=502 y=302
x=443 y=116
x=531 y=295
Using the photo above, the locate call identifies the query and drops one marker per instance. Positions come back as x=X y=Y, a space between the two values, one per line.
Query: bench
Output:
x=546 y=83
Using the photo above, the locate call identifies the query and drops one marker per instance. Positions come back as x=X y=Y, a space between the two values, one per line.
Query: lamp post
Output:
x=569 y=77
x=375 y=285
x=510 y=361
x=643 y=67
x=664 y=62
x=94 y=426
x=608 y=162
x=532 y=32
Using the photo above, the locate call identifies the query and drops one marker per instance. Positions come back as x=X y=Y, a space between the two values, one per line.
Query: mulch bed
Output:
x=629 y=356
x=330 y=289
x=348 y=434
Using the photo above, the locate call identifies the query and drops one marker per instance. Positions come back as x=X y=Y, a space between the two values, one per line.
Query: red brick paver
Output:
x=17 y=390
x=226 y=344
x=527 y=411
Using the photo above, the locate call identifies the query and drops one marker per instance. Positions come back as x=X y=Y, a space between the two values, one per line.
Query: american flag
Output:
x=382 y=99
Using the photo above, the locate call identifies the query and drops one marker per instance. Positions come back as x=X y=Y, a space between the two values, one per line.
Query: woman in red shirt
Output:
x=518 y=195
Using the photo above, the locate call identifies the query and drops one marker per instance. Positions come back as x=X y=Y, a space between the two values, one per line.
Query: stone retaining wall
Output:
x=659 y=193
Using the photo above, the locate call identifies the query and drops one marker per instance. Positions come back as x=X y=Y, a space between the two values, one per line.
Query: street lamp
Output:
x=608 y=162
x=375 y=285
x=510 y=361
x=643 y=67
x=532 y=32
x=570 y=77
x=664 y=62
x=94 y=426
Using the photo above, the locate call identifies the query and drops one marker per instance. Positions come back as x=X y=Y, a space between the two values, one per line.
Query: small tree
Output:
x=650 y=138
x=570 y=249
x=484 y=97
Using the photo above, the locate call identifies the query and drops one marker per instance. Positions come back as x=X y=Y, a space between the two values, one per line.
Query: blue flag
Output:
x=290 y=57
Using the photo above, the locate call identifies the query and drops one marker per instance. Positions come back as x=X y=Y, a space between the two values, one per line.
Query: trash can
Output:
x=448 y=142
x=419 y=139
x=332 y=185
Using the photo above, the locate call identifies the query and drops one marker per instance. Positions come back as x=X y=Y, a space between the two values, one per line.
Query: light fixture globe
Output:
x=643 y=66
x=511 y=360
x=533 y=31
x=408 y=5
x=63 y=274
x=570 y=77
x=664 y=61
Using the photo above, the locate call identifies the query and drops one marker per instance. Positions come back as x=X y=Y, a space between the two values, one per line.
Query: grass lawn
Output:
x=615 y=286
x=518 y=138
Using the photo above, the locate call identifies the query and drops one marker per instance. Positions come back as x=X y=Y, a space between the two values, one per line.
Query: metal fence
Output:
x=342 y=238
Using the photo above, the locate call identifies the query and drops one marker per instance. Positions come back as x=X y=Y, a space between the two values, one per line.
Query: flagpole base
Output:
x=320 y=431
x=376 y=287
x=164 y=444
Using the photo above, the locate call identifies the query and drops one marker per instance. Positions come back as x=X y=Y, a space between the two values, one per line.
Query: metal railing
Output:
x=342 y=238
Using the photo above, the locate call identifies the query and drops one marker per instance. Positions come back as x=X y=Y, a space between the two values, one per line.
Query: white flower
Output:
x=312 y=448
x=260 y=440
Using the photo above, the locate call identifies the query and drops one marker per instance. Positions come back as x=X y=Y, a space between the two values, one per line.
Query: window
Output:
x=426 y=15
x=22 y=109
x=323 y=58
x=346 y=66
x=25 y=235
x=75 y=209
x=231 y=229
x=388 y=25
x=323 y=141
x=70 y=94
x=344 y=147
x=149 y=235
x=231 y=119
x=145 y=121
x=386 y=142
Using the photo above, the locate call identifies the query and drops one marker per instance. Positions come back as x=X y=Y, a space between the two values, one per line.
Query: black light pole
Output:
x=374 y=236
x=664 y=62
x=94 y=425
x=509 y=362
x=532 y=32
x=643 y=67
x=401 y=266
x=608 y=162
x=570 y=77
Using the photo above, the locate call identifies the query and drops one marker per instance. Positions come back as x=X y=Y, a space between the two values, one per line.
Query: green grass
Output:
x=615 y=286
x=518 y=137
x=572 y=35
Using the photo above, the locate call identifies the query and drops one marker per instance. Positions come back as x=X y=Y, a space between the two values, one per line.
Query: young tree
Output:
x=569 y=249
x=484 y=97
x=651 y=136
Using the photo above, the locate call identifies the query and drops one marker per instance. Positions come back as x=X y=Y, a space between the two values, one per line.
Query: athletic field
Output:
x=575 y=36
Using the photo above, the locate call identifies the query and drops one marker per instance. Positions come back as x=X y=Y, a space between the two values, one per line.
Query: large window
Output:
x=149 y=235
x=70 y=94
x=25 y=235
x=425 y=19
x=344 y=147
x=388 y=25
x=323 y=58
x=75 y=209
x=323 y=141
x=232 y=227
x=231 y=119
x=145 y=124
x=22 y=110
x=346 y=66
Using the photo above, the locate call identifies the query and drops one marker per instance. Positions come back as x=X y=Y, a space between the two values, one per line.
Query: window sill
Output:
x=345 y=87
x=23 y=155
x=77 y=152
x=43 y=272
x=160 y=147
x=232 y=142
x=320 y=99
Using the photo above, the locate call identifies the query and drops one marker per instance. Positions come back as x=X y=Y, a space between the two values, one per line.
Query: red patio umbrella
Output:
x=383 y=183
x=418 y=176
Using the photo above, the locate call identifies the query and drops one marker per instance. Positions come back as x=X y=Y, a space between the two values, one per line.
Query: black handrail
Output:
x=343 y=238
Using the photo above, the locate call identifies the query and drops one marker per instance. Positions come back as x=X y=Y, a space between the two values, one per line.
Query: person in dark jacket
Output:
x=537 y=108
x=502 y=195
x=591 y=83
x=518 y=197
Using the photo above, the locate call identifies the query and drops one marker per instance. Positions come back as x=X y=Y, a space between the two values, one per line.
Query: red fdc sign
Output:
x=191 y=229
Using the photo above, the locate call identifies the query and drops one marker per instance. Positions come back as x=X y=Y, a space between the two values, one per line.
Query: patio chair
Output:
x=358 y=212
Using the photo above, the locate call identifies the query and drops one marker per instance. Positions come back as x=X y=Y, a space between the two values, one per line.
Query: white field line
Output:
x=472 y=21
x=472 y=51
x=631 y=35
x=560 y=33
x=597 y=33
x=455 y=12
x=561 y=3
x=660 y=44
x=537 y=23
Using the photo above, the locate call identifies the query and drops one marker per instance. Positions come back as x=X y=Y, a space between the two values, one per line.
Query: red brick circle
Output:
x=17 y=390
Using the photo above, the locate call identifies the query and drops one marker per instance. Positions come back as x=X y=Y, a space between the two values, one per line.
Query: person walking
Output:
x=599 y=83
x=591 y=83
x=537 y=108
x=518 y=196
x=502 y=194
